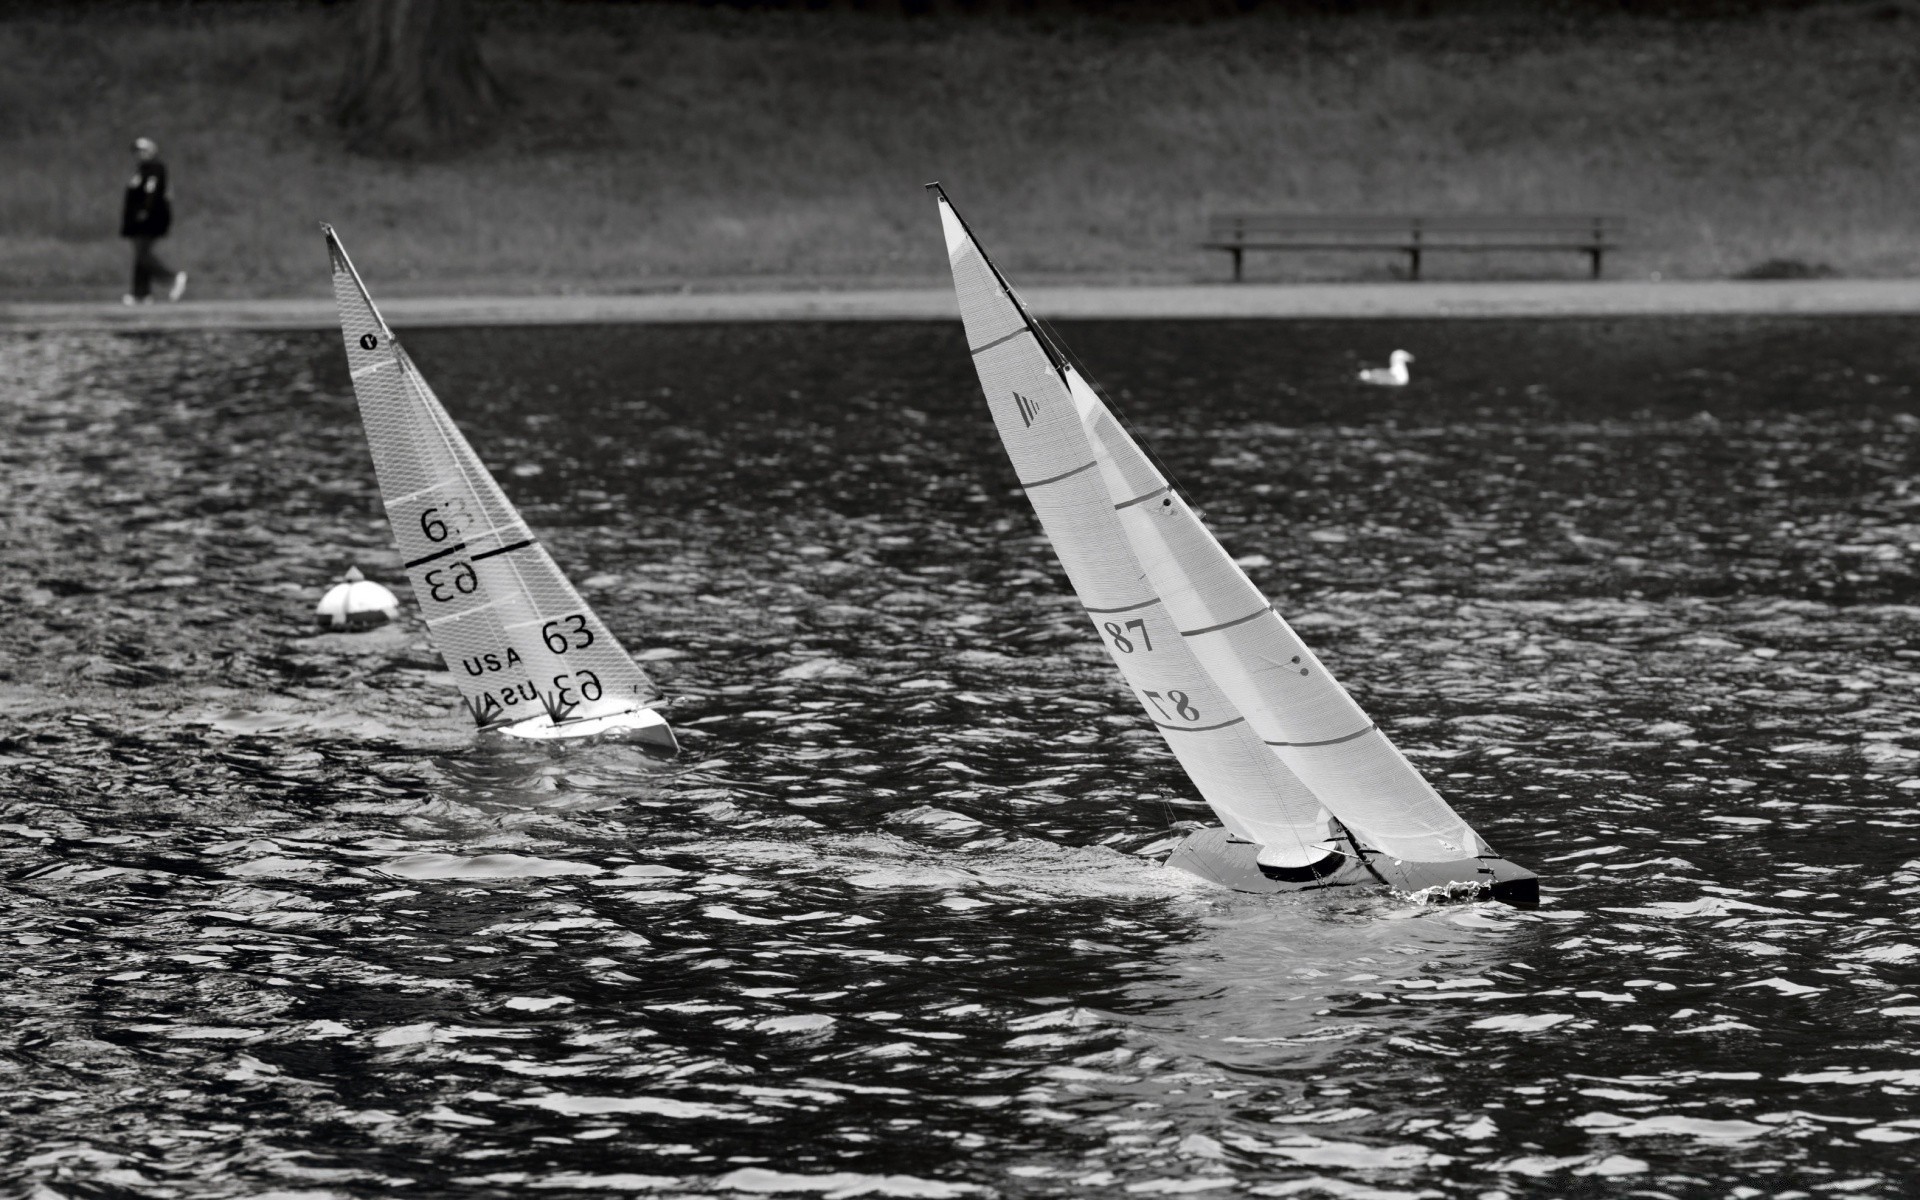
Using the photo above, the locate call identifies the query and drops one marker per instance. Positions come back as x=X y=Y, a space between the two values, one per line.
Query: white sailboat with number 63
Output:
x=1309 y=791
x=530 y=657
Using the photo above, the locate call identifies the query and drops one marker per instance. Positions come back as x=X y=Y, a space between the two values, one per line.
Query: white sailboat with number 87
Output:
x=1310 y=792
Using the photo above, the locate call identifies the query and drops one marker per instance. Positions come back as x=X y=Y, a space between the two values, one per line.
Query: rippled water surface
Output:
x=1639 y=597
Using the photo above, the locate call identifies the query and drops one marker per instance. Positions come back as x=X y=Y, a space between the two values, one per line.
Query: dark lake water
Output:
x=1640 y=597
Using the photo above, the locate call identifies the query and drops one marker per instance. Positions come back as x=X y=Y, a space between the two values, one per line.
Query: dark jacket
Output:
x=146 y=213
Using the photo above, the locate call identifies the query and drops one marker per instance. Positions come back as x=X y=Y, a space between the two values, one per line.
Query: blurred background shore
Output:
x=654 y=147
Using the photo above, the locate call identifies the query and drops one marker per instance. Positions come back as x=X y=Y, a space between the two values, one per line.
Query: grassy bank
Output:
x=659 y=146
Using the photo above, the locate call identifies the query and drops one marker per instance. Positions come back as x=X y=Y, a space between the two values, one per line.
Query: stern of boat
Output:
x=642 y=725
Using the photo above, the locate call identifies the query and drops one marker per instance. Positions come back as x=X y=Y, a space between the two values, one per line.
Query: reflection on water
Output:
x=1639 y=596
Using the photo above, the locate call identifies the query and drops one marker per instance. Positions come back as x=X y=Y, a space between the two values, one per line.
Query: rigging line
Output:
x=1167 y=806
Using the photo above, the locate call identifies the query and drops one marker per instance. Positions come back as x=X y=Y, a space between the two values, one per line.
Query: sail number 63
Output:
x=438 y=528
x=568 y=633
x=445 y=583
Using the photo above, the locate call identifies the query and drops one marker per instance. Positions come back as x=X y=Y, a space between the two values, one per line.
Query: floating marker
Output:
x=356 y=603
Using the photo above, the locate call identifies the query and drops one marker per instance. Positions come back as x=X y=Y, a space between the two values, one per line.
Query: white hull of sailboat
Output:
x=642 y=725
x=495 y=602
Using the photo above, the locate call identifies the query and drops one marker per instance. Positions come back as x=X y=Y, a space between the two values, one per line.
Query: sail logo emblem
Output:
x=1029 y=409
x=368 y=341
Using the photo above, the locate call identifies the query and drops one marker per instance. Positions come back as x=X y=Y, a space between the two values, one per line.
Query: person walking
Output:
x=145 y=217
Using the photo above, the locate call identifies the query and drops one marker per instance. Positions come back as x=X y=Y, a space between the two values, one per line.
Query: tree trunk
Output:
x=415 y=82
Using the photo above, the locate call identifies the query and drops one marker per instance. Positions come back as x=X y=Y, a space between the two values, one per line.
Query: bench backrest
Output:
x=1242 y=227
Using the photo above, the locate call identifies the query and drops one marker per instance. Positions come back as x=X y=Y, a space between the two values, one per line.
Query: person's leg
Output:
x=154 y=264
x=176 y=280
x=142 y=275
x=147 y=266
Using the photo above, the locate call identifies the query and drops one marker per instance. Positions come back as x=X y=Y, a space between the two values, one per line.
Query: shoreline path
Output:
x=1632 y=298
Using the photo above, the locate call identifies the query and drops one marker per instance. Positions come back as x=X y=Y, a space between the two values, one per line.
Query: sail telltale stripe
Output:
x=976 y=351
x=1126 y=608
x=522 y=544
x=1039 y=483
x=1328 y=741
x=1198 y=728
x=1252 y=616
x=435 y=557
x=1159 y=491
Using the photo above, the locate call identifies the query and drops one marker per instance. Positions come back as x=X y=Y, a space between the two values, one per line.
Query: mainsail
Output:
x=528 y=654
x=1251 y=790
x=1290 y=748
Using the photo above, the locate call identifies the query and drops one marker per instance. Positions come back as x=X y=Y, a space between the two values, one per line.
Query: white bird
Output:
x=1394 y=375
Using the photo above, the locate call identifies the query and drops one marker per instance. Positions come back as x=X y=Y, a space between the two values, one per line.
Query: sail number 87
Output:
x=568 y=633
x=1121 y=641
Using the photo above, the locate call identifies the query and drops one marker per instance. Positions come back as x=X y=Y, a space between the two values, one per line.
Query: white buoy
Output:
x=1393 y=375
x=357 y=603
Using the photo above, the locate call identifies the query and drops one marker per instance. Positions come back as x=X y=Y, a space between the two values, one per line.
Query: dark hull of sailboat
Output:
x=1214 y=855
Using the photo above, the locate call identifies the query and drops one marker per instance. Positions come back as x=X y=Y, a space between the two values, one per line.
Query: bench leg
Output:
x=1236 y=266
x=1596 y=262
x=1414 y=273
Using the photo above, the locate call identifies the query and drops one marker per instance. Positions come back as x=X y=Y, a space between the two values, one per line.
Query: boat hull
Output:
x=1214 y=855
x=642 y=725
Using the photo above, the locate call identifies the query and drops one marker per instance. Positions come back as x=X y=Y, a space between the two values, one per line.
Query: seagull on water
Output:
x=1393 y=375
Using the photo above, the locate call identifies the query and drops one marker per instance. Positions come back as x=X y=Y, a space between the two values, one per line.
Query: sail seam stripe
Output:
x=463 y=614
x=436 y=486
x=1227 y=624
x=370 y=368
x=1328 y=742
x=437 y=555
x=999 y=341
x=503 y=550
x=1057 y=478
x=1196 y=728
x=1143 y=499
x=1128 y=608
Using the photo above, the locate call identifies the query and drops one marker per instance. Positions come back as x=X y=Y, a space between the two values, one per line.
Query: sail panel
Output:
x=1294 y=704
x=1250 y=789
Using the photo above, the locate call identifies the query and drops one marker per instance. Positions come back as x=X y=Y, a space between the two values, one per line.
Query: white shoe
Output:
x=179 y=288
x=128 y=300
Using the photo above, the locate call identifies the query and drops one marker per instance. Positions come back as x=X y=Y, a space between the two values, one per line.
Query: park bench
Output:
x=1412 y=235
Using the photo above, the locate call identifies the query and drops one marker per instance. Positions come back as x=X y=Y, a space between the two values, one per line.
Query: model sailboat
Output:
x=1309 y=791
x=531 y=658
